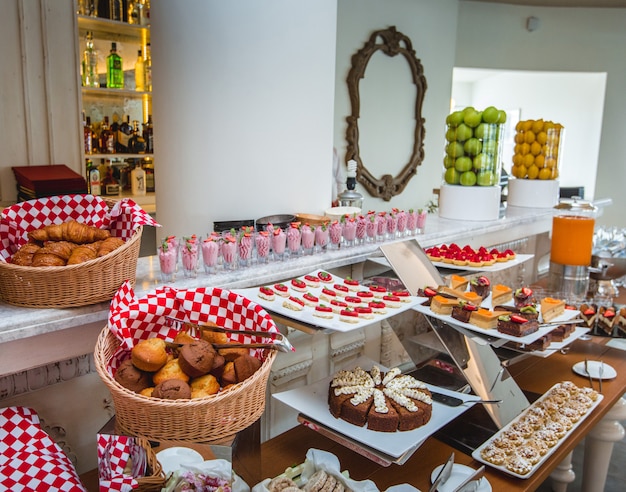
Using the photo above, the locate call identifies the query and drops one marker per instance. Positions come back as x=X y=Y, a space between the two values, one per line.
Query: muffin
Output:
x=172 y=389
x=196 y=359
x=149 y=355
x=171 y=370
x=132 y=378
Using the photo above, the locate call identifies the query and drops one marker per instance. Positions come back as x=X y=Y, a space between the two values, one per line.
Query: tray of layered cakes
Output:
x=498 y=311
x=525 y=443
x=377 y=407
x=471 y=259
x=327 y=301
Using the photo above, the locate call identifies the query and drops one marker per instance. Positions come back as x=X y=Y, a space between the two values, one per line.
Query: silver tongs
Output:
x=280 y=341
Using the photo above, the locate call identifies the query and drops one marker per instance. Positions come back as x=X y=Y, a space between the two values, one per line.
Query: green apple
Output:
x=455 y=119
x=473 y=146
x=483 y=162
x=491 y=115
x=468 y=179
x=454 y=149
x=451 y=134
x=485 y=131
x=463 y=164
x=463 y=132
x=448 y=162
x=486 y=178
x=472 y=119
x=490 y=146
x=502 y=118
x=452 y=176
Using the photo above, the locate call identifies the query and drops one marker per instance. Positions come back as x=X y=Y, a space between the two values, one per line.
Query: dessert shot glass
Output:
x=421 y=221
x=294 y=239
x=392 y=226
x=411 y=222
x=229 y=252
x=370 y=228
x=335 y=231
x=167 y=262
x=381 y=227
x=349 y=231
x=361 y=229
x=245 y=246
x=189 y=256
x=321 y=237
x=279 y=243
x=210 y=253
x=402 y=222
x=262 y=242
x=308 y=239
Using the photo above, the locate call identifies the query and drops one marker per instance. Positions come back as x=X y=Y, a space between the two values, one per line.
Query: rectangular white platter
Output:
x=493 y=332
x=556 y=346
x=476 y=454
x=306 y=315
x=312 y=401
x=519 y=258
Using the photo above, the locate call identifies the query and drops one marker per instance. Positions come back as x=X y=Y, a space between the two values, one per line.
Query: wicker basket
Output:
x=199 y=420
x=156 y=480
x=70 y=286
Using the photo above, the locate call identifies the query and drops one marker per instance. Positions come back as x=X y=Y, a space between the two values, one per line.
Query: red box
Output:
x=42 y=181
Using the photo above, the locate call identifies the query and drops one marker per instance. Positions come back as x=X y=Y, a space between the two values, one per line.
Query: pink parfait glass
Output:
x=294 y=239
x=279 y=243
x=392 y=225
x=411 y=222
x=381 y=226
x=402 y=222
x=167 y=261
x=349 y=231
x=421 y=221
x=173 y=242
x=245 y=246
x=321 y=237
x=262 y=241
x=229 y=252
x=189 y=254
x=335 y=232
x=361 y=229
x=210 y=252
x=370 y=228
x=308 y=239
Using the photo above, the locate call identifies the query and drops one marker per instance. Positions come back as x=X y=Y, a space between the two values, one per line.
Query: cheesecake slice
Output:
x=485 y=318
x=458 y=282
x=551 y=308
x=501 y=294
x=442 y=305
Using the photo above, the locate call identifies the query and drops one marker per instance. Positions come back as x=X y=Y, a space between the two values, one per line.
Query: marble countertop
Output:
x=18 y=322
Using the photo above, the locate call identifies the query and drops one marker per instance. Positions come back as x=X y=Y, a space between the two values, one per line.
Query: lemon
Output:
x=542 y=137
x=551 y=162
x=535 y=148
x=533 y=172
x=517 y=159
x=525 y=149
x=540 y=160
x=519 y=137
x=529 y=160
x=545 y=173
x=529 y=137
x=521 y=171
x=527 y=125
x=537 y=126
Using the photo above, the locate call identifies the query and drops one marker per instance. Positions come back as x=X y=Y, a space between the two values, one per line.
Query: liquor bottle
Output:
x=144 y=12
x=116 y=12
x=94 y=179
x=107 y=138
x=124 y=133
x=136 y=12
x=88 y=135
x=136 y=143
x=115 y=73
x=148 y=65
x=148 y=167
x=138 y=180
x=87 y=7
x=148 y=135
x=90 y=63
x=140 y=73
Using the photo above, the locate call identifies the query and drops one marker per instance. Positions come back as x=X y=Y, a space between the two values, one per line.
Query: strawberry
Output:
x=325 y=276
x=266 y=290
x=430 y=292
x=518 y=319
x=281 y=287
x=324 y=309
x=310 y=297
x=377 y=304
x=340 y=287
x=329 y=292
x=363 y=310
x=365 y=294
x=311 y=278
x=350 y=281
x=297 y=300
x=377 y=288
x=349 y=312
x=296 y=282
x=338 y=303
x=470 y=307
x=400 y=293
x=353 y=299
x=494 y=252
x=609 y=313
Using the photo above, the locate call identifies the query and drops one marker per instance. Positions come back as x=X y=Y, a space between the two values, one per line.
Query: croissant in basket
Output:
x=71 y=231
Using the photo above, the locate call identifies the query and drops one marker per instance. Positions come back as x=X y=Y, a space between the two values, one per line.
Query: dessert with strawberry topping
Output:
x=312 y=280
x=294 y=303
x=337 y=305
x=281 y=290
x=266 y=293
x=589 y=313
x=365 y=295
x=515 y=325
x=325 y=277
x=364 y=312
x=299 y=285
x=392 y=301
x=463 y=310
x=402 y=294
x=349 y=316
x=352 y=284
x=341 y=290
x=328 y=294
x=607 y=316
x=352 y=301
x=523 y=297
x=428 y=293
x=378 y=290
x=323 y=311
x=481 y=285
x=378 y=307
x=310 y=300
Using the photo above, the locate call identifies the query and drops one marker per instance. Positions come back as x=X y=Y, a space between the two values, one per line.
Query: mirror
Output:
x=389 y=42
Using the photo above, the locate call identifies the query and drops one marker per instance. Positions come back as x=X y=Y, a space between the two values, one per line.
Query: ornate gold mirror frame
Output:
x=391 y=43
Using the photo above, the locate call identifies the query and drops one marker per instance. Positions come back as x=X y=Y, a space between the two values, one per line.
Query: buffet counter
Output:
x=35 y=337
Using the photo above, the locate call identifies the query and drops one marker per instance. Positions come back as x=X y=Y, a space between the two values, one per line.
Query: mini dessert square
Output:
x=463 y=310
x=442 y=305
x=589 y=313
x=485 y=318
x=607 y=317
x=523 y=297
x=501 y=294
x=458 y=282
x=561 y=332
x=480 y=285
x=515 y=325
x=551 y=308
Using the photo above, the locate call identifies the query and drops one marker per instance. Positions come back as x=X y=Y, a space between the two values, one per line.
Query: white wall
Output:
x=568 y=40
x=431 y=27
x=549 y=95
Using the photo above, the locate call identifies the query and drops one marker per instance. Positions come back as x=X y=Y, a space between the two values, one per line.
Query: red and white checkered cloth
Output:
x=29 y=459
x=16 y=221
x=114 y=453
x=132 y=319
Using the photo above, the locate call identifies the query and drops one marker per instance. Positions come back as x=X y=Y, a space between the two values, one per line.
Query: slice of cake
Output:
x=501 y=294
x=485 y=318
x=528 y=312
x=428 y=293
x=480 y=285
x=458 y=282
x=621 y=321
x=561 y=332
x=589 y=313
x=523 y=297
x=442 y=305
x=551 y=308
x=517 y=326
x=471 y=297
x=607 y=315
x=463 y=310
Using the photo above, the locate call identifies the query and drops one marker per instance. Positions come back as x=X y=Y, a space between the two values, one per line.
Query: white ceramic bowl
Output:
x=336 y=213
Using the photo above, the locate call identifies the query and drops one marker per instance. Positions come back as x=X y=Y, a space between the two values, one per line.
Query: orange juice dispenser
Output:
x=570 y=253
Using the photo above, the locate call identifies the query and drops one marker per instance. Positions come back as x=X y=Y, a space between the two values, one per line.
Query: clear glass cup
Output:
x=279 y=244
x=229 y=252
x=411 y=222
x=381 y=226
x=322 y=235
x=335 y=231
x=392 y=225
x=421 y=221
x=262 y=241
x=210 y=253
x=402 y=222
x=370 y=228
x=294 y=239
x=349 y=231
x=308 y=239
x=361 y=229
x=245 y=247
x=189 y=256
x=167 y=262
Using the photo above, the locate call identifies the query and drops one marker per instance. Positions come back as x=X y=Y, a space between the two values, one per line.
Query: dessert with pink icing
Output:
x=262 y=241
x=190 y=256
x=210 y=249
x=392 y=225
x=370 y=228
x=244 y=246
x=167 y=261
x=279 y=242
x=402 y=222
x=411 y=221
x=229 y=252
x=321 y=236
x=361 y=228
x=381 y=226
x=421 y=220
x=308 y=239
x=349 y=230
x=294 y=239
x=335 y=231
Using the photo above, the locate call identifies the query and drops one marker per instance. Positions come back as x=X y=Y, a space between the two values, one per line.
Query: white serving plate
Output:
x=306 y=315
x=608 y=372
x=477 y=456
x=312 y=401
x=556 y=346
x=493 y=332
x=171 y=459
x=519 y=258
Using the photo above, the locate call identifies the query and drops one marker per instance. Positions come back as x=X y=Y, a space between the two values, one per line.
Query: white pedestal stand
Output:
x=533 y=193
x=469 y=203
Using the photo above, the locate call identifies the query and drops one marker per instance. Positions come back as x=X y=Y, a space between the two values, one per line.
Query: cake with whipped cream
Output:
x=384 y=402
